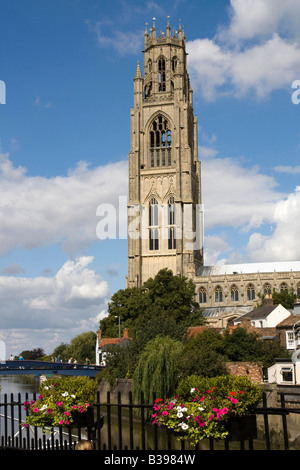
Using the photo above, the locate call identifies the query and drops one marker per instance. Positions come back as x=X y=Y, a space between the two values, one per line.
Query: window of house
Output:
x=287 y=374
x=298 y=291
x=290 y=340
x=153 y=225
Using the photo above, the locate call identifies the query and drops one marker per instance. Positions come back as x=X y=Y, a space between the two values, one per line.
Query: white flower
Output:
x=184 y=409
x=179 y=414
x=192 y=390
x=43 y=407
x=200 y=408
x=73 y=396
x=178 y=408
x=65 y=394
x=183 y=426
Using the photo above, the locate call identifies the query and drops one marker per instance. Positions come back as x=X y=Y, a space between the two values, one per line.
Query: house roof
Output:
x=289 y=321
x=102 y=342
x=261 y=312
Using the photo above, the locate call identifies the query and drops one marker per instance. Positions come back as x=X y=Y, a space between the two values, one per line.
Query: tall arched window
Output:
x=234 y=293
x=161 y=74
x=298 y=291
x=160 y=142
x=171 y=224
x=218 y=294
x=153 y=225
x=250 y=292
x=202 y=295
x=174 y=63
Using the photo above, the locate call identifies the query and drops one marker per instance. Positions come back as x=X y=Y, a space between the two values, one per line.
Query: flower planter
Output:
x=242 y=428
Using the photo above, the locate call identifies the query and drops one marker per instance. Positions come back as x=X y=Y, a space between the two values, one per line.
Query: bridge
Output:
x=24 y=367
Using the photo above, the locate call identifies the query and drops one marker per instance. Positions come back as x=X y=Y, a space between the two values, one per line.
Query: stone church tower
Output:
x=164 y=207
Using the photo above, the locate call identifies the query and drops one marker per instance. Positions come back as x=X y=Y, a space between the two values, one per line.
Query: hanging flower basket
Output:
x=64 y=402
x=219 y=408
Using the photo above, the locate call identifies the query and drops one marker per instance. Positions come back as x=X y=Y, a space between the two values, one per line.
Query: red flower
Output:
x=158 y=400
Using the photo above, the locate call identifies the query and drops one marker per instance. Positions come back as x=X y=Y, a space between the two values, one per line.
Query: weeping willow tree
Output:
x=156 y=369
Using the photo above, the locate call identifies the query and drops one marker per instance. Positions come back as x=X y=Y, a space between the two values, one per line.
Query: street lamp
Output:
x=116 y=316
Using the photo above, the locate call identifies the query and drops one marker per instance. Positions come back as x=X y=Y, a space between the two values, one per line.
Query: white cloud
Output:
x=256 y=18
x=292 y=170
x=67 y=304
x=283 y=243
x=123 y=42
x=38 y=211
x=236 y=196
x=258 y=52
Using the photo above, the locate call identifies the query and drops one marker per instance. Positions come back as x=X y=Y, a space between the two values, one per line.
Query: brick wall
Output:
x=248 y=369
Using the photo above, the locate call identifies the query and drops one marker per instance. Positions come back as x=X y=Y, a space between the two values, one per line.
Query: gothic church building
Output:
x=165 y=207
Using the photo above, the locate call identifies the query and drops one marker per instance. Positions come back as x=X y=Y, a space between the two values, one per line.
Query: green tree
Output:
x=164 y=296
x=80 y=347
x=156 y=369
x=33 y=354
x=239 y=344
x=203 y=355
x=83 y=346
x=286 y=298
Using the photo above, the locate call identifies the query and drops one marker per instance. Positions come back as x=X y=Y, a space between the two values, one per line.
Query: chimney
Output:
x=268 y=300
x=98 y=337
x=125 y=333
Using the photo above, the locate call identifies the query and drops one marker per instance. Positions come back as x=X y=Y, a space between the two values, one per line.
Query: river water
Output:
x=19 y=384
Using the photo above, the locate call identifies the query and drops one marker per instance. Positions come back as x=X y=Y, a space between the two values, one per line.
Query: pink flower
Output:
x=67 y=413
x=156 y=407
x=61 y=421
x=165 y=413
x=40 y=397
x=35 y=410
x=59 y=403
x=49 y=410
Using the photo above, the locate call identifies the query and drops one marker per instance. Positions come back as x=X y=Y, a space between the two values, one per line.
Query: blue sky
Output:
x=68 y=68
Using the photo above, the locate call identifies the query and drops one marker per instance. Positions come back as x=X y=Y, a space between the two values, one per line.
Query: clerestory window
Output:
x=250 y=292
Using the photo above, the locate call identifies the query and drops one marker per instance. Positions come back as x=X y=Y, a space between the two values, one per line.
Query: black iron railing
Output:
x=121 y=424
